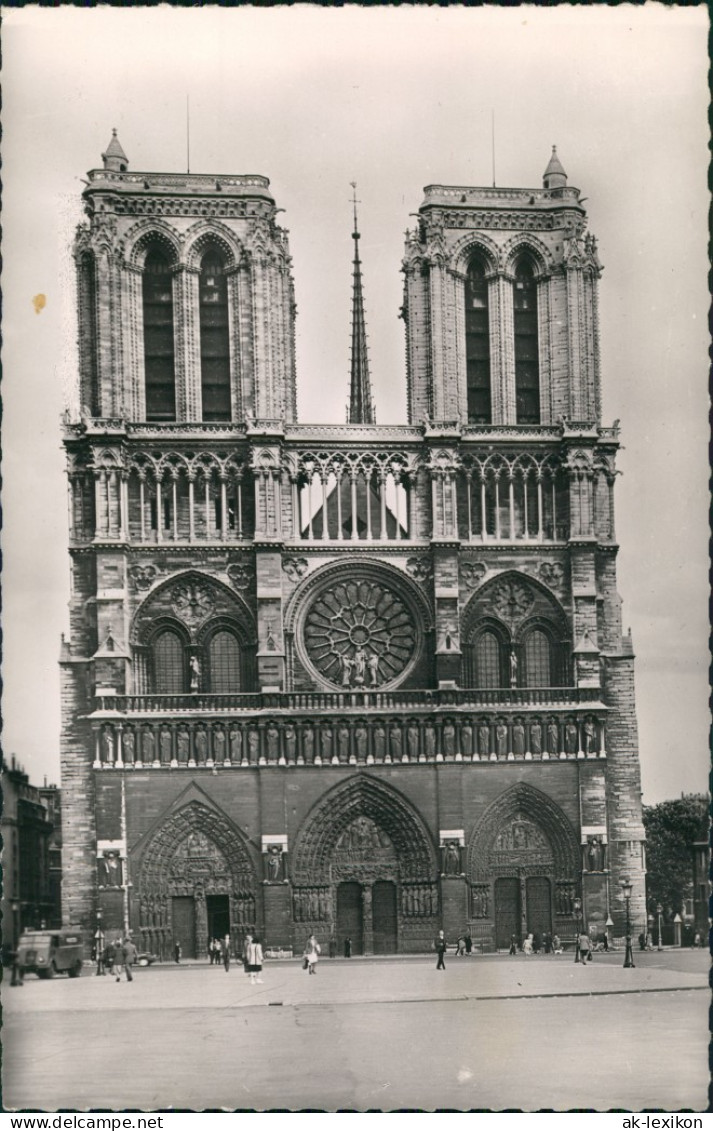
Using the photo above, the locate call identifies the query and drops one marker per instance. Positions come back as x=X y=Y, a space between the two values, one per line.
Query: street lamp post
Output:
x=626 y=890
x=659 y=911
x=577 y=910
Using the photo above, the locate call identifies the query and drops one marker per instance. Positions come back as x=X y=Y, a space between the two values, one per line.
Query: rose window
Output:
x=359 y=634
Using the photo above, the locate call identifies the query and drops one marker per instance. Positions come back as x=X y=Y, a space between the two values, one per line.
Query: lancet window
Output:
x=168 y=663
x=224 y=662
x=214 y=337
x=159 y=350
x=88 y=316
x=361 y=498
x=477 y=344
x=527 y=365
x=218 y=663
x=534 y=656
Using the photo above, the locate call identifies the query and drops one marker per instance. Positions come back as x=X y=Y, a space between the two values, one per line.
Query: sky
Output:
x=395 y=99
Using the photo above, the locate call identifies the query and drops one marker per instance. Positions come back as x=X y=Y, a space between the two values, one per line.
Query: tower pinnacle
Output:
x=115 y=159
x=554 y=175
x=361 y=408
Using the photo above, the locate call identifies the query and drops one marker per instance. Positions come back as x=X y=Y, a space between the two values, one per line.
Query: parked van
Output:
x=46 y=953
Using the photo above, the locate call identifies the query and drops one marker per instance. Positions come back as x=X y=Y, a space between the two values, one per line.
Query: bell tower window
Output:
x=159 y=353
x=215 y=342
x=477 y=344
x=169 y=667
x=527 y=365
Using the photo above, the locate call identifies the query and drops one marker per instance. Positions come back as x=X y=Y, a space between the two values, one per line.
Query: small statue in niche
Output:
x=395 y=742
x=449 y=740
x=379 y=743
x=195 y=670
x=253 y=745
x=109 y=870
x=518 y=738
x=273 y=743
x=452 y=858
x=343 y=743
x=201 y=745
x=412 y=741
x=590 y=737
x=108 y=745
x=359 y=663
x=274 y=862
x=483 y=739
x=148 y=745
x=429 y=735
x=360 y=737
x=501 y=738
x=290 y=743
x=466 y=739
x=513 y=669
x=219 y=744
x=373 y=665
x=308 y=744
x=129 y=746
x=347 y=665
x=182 y=743
x=327 y=742
x=536 y=738
x=595 y=854
x=165 y=745
x=571 y=738
x=236 y=744
x=553 y=737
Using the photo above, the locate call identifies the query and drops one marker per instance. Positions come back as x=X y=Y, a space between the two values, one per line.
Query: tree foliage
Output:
x=671 y=829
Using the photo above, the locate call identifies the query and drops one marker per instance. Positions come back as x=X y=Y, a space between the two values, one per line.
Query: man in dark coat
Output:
x=440 y=947
x=128 y=954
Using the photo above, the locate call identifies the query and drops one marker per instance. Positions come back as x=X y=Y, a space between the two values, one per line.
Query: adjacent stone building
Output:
x=30 y=898
x=363 y=680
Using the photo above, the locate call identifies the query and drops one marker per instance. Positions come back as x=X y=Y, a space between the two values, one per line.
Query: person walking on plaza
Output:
x=585 y=948
x=176 y=952
x=460 y=946
x=513 y=944
x=527 y=945
x=254 y=957
x=440 y=946
x=246 y=944
x=128 y=954
x=117 y=959
x=226 y=953
x=347 y=948
x=312 y=953
x=468 y=943
x=556 y=944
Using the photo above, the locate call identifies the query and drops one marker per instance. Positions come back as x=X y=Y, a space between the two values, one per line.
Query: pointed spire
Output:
x=115 y=159
x=361 y=408
x=555 y=176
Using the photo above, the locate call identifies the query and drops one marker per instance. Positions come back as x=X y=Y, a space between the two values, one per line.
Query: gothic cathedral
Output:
x=361 y=680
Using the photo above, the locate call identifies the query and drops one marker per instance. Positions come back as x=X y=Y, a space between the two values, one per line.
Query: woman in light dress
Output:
x=254 y=958
x=312 y=953
x=527 y=945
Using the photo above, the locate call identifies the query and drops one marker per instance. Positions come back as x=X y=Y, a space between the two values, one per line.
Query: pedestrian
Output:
x=128 y=954
x=440 y=946
x=468 y=943
x=536 y=942
x=254 y=959
x=585 y=947
x=556 y=944
x=697 y=940
x=246 y=944
x=347 y=947
x=605 y=939
x=527 y=945
x=117 y=959
x=513 y=944
x=311 y=954
x=547 y=942
x=226 y=953
x=177 y=952
x=460 y=946
x=642 y=941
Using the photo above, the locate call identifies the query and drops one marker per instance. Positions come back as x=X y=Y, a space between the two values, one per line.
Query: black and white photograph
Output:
x=355 y=560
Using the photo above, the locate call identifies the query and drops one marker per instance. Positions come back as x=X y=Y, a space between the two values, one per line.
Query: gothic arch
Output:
x=524 y=801
x=214 y=601
x=166 y=866
x=472 y=244
x=525 y=243
x=206 y=234
x=363 y=796
x=139 y=239
x=543 y=605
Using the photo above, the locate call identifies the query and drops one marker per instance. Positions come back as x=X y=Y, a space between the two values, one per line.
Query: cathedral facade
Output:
x=360 y=680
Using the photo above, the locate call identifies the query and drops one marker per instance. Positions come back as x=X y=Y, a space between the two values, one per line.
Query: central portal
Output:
x=350 y=917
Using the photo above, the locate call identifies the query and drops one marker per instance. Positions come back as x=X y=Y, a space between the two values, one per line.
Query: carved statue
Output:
x=109 y=870
x=513 y=669
x=360 y=737
x=359 y=663
x=484 y=739
x=219 y=745
x=501 y=738
x=594 y=855
x=571 y=738
x=273 y=743
x=449 y=740
x=466 y=739
x=253 y=746
x=165 y=745
x=412 y=741
x=308 y=744
x=195 y=667
x=129 y=746
x=182 y=744
x=313 y=904
x=201 y=744
x=395 y=742
x=536 y=738
x=274 y=862
x=108 y=744
x=343 y=743
x=327 y=742
x=149 y=745
x=553 y=737
x=379 y=743
x=236 y=744
x=518 y=738
x=347 y=665
x=290 y=743
x=373 y=666
x=590 y=738
x=452 y=858
x=429 y=736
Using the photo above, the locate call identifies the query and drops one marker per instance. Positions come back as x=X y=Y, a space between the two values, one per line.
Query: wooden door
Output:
x=383 y=910
x=507 y=910
x=350 y=917
x=183 y=917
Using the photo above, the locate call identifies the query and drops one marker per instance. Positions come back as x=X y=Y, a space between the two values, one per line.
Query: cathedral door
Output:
x=350 y=917
x=383 y=909
x=539 y=904
x=183 y=918
x=218 y=912
x=507 y=910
